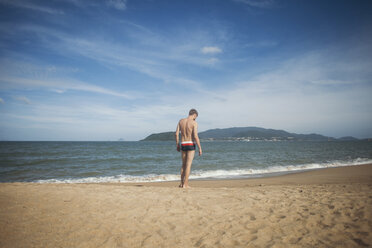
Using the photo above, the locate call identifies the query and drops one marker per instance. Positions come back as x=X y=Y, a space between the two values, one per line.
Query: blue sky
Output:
x=110 y=69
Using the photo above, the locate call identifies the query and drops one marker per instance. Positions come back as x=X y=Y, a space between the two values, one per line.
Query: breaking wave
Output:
x=211 y=174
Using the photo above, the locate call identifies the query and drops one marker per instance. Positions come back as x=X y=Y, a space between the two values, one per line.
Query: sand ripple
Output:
x=97 y=215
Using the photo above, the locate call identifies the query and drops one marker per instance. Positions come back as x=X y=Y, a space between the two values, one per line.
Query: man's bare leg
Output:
x=189 y=158
x=183 y=168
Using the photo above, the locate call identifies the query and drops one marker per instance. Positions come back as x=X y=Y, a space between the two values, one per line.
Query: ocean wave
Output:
x=210 y=174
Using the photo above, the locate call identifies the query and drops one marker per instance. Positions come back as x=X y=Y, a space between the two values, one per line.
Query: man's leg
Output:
x=183 y=168
x=189 y=158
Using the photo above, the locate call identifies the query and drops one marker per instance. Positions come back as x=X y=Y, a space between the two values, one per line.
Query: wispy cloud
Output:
x=58 y=85
x=137 y=26
x=132 y=75
x=160 y=63
x=45 y=118
x=258 y=3
x=117 y=4
x=333 y=82
x=85 y=118
x=213 y=61
x=288 y=98
x=22 y=99
x=154 y=48
x=31 y=6
x=261 y=44
x=285 y=97
x=58 y=91
x=211 y=50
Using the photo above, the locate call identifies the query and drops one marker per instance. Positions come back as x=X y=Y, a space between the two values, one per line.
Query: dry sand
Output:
x=322 y=208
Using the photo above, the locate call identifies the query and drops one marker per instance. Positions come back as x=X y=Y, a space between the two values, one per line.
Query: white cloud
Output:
x=137 y=26
x=297 y=96
x=58 y=85
x=58 y=91
x=157 y=63
x=31 y=6
x=77 y=3
x=212 y=61
x=258 y=3
x=262 y=44
x=82 y=122
x=333 y=82
x=284 y=98
x=22 y=99
x=117 y=4
x=211 y=50
x=287 y=98
x=1 y=100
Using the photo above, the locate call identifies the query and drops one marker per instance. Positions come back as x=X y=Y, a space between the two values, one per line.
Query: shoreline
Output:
x=342 y=174
x=243 y=177
x=319 y=208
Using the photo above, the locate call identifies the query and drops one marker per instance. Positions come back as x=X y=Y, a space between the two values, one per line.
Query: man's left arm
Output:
x=196 y=138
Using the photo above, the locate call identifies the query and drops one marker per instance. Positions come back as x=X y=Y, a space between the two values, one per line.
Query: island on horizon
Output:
x=249 y=134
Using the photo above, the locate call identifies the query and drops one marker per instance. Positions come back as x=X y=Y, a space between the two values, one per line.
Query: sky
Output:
x=108 y=69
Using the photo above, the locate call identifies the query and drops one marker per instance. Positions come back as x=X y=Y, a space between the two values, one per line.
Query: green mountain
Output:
x=258 y=133
x=348 y=138
x=160 y=137
x=244 y=133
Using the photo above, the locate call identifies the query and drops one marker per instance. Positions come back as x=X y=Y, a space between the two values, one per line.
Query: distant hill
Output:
x=347 y=138
x=246 y=133
x=160 y=137
x=258 y=133
x=242 y=132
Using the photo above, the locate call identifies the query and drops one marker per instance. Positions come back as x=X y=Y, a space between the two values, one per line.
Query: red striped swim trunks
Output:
x=187 y=146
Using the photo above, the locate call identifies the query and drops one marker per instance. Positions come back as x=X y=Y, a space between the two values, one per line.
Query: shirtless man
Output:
x=189 y=136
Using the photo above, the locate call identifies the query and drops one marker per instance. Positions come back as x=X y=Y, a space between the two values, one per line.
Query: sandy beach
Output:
x=320 y=208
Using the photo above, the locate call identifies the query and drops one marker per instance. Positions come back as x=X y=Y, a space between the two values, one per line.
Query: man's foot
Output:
x=180 y=186
x=186 y=186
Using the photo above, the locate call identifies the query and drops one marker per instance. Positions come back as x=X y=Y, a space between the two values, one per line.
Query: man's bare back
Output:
x=189 y=138
x=187 y=127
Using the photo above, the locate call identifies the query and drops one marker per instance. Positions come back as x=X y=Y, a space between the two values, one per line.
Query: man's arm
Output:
x=177 y=134
x=196 y=138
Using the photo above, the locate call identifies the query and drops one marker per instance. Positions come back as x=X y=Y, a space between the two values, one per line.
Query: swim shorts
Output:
x=187 y=146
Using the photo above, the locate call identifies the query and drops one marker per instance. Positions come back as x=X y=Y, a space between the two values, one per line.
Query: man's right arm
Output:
x=177 y=134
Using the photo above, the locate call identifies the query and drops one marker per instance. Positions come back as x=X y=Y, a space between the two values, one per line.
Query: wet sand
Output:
x=320 y=208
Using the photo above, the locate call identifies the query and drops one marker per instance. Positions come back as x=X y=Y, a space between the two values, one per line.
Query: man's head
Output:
x=193 y=113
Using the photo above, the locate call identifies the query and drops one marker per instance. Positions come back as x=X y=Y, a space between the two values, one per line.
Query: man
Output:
x=189 y=136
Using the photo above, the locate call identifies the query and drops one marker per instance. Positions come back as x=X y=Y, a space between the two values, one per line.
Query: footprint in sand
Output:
x=254 y=237
x=172 y=227
x=251 y=216
x=199 y=242
x=144 y=240
x=360 y=242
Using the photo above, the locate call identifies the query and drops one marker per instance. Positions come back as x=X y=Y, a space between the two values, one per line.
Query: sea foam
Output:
x=211 y=174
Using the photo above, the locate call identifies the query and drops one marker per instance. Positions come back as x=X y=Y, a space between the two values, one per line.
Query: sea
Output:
x=155 y=161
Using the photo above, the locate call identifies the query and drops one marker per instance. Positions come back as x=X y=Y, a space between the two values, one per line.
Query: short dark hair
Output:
x=193 y=111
